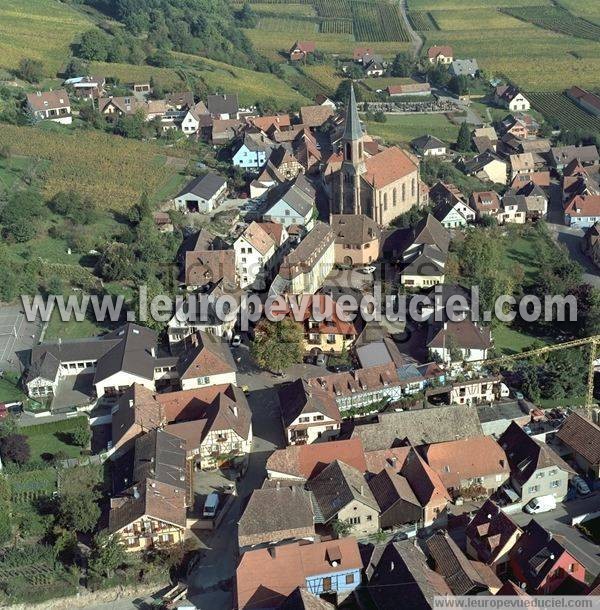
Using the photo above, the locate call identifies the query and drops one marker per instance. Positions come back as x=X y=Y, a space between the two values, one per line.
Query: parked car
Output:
x=211 y=504
x=236 y=341
x=516 y=394
x=321 y=360
x=543 y=504
x=339 y=368
x=581 y=487
x=369 y=269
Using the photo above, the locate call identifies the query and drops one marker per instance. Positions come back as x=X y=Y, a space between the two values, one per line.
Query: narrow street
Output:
x=416 y=40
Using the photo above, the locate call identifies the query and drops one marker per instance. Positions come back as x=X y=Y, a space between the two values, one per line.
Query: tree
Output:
x=459 y=84
x=81 y=435
x=115 y=262
x=15 y=448
x=93 y=45
x=107 y=555
x=247 y=17
x=75 y=67
x=79 y=512
x=341 y=528
x=19 y=216
x=403 y=65
x=277 y=345
x=463 y=141
x=31 y=70
x=342 y=93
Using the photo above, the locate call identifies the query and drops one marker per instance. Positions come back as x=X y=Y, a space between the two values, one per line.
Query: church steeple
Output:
x=352 y=130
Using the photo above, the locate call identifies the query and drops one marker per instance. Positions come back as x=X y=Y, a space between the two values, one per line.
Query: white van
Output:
x=543 y=504
x=211 y=504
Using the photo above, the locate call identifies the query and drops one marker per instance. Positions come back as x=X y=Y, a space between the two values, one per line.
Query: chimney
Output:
x=136 y=493
x=153 y=352
x=235 y=410
x=278 y=485
x=131 y=402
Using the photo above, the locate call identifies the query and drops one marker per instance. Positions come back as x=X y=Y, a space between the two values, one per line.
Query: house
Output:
x=204 y=269
x=440 y=54
x=299 y=463
x=253 y=151
x=407 y=490
x=254 y=256
x=341 y=494
x=304 y=269
x=103 y=367
x=203 y=194
x=266 y=577
x=308 y=414
x=464 y=67
x=419 y=427
x=429 y=146
x=223 y=106
x=50 y=105
x=275 y=122
x=490 y=536
x=445 y=192
x=463 y=576
x=522 y=126
x=591 y=243
x=205 y=360
x=464 y=341
x=424 y=259
x=541 y=562
x=323 y=100
x=285 y=163
x=291 y=203
x=196 y=116
x=359 y=53
x=589 y=101
x=113 y=107
x=476 y=391
x=582 y=211
x=399 y=571
x=276 y=514
x=373 y=65
x=497 y=416
x=521 y=164
x=223 y=131
x=452 y=216
x=517 y=208
x=316 y=116
x=536 y=200
x=485 y=203
x=582 y=439
x=423 y=89
x=301 y=49
x=356 y=239
x=535 y=469
x=562 y=156
x=152 y=511
x=510 y=97
x=301 y=599
x=384 y=184
x=487 y=167
x=87 y=87
x=469 y=462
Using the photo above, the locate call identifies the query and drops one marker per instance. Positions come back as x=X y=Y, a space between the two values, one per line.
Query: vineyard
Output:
x=560 y=111
x=375 y=22
x=336 y=26
x=32 y=485
x=556 y=19
x=422 y=21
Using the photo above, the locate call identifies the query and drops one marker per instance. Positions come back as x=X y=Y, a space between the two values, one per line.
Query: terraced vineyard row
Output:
x=336 y=26
x=333 y=9
x=556 y=19
x=560 y=111
x=378 y=22
x=422 y=21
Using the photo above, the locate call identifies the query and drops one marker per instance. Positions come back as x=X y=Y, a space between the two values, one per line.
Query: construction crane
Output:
x=591 y=341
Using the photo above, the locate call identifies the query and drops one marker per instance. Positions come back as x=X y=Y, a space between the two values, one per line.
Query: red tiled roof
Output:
x=445 y=50
x=583 y=205
x=388 y=166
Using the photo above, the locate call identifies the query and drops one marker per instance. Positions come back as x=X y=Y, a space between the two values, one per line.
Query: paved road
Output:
x=569 y=237
x=416 y=40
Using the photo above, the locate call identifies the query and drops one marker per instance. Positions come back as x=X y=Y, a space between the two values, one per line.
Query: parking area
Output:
x=17 y=337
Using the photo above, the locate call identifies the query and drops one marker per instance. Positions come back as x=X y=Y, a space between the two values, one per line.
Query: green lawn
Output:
x=57 y=329
x=509 y=341
x=9 y=392
x=406 y=127
x=52 y=438
x=523 y=250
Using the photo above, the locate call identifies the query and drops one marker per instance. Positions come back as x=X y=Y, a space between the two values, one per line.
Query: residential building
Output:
x=222 y=131
x=453 y=216
x=291 y=203
x=490 y=536
x=255 y=252
x=424 y=259
x=407 y=490
x=308 y=414
x=356 y=239
x=266 y=577
x=203 y=194
x=582 y=439
x=535 y=469
x=341 y=494
x=276 y=514
x=252 y=152
x=485 y=203
x=381 y=186
x=301 y=49
x=589 y=101
x=459 y=341
x=562 y=156
x=223 y=106
x=87 y=87
x=419 y=427
x=316 y=116
x=591 y=243
x=205 y=269
x=521 y=164
x=541 y=562
x=399 y=571
x=582 y=211
x=429 y=146
x=464 y=576
x=510 y=97
x=305 y=268
x=477 y=391
x=196 y=116
x=469 y=462
x=440 y=54
x=205 y=360
x=113 y=107
x=50 y=105
x=464 y=67
x=488 y=167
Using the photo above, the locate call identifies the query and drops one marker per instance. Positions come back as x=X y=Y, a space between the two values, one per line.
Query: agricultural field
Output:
x=442 y=5
x=477 y=19
x=401 y=129
x=283 y=9
x=378 y=22
x=337 y=26
x=325 y=75
x=41 y=29
x=84 y=160
x=587 y=10
x=559 y=110
x=422 y=21
x=291 y=25
x=556 y=19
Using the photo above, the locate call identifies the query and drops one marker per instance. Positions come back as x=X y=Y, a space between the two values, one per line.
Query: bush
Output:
x=30 y=70
x=15 y=448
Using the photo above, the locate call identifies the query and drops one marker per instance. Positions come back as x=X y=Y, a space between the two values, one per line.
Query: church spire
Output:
x=352 y=130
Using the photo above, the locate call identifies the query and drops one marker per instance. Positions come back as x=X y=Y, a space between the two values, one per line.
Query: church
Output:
x=381 y=184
